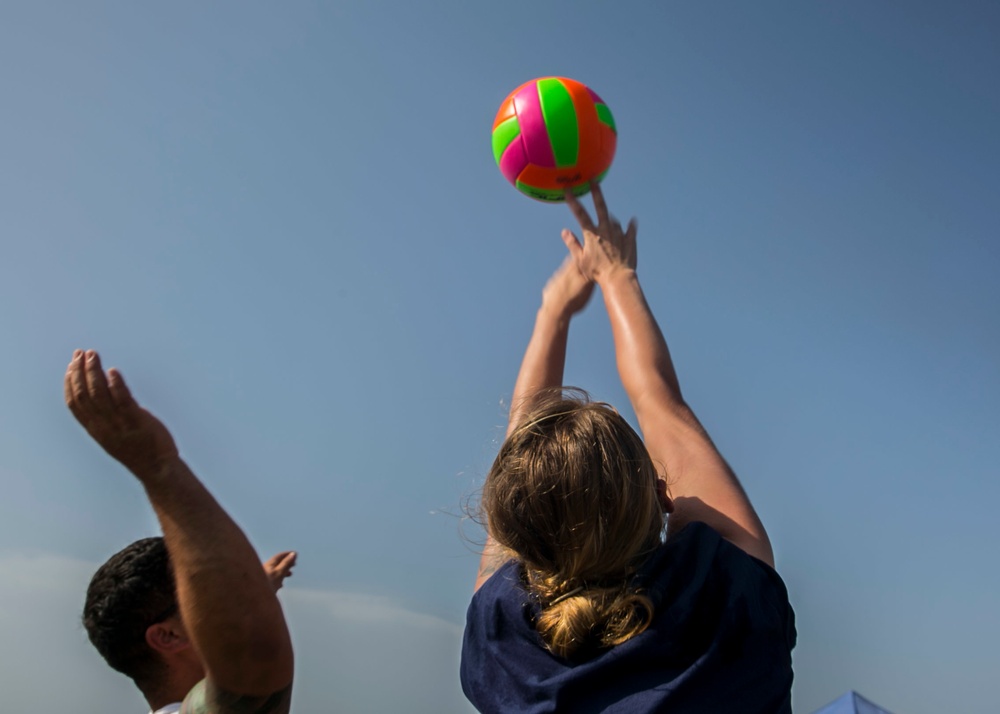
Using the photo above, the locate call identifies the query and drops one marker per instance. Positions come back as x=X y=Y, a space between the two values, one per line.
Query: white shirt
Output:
x=169 y=709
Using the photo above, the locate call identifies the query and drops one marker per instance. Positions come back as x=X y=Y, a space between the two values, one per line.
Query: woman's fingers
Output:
x=582 y=217
x=600 y=206
x=572 y=243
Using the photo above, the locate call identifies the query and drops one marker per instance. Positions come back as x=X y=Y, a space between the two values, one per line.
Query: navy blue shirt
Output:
x=720 y=641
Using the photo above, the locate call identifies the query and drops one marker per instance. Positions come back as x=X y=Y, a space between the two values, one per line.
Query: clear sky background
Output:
x=283 y=222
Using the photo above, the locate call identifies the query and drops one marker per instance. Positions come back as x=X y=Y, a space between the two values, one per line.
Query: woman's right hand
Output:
x=568 y=291
x=607 y=249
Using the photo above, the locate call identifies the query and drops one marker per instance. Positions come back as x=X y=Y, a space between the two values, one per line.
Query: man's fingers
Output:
x=600 y=206
x=582 y=217
x=90 y=393
x=282 y=561
x=73 y=384
x=97 y=383
x=118 y=390
x=278 y=567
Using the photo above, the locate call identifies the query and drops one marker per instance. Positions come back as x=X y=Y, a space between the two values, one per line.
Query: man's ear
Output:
x=666 y=502
x=168 y=636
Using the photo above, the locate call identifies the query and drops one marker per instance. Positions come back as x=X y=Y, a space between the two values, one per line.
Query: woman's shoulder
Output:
x=697 y=557
x=699 y=538
x=503 y=592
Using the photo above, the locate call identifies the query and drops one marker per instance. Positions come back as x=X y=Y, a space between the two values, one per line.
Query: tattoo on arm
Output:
x=489 y=567
x=493 y=559
x=207 y=698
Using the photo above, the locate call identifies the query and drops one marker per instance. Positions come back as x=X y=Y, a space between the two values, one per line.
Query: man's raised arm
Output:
x=227 y=601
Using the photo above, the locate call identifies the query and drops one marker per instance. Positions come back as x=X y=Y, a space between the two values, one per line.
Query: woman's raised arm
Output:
x=700 y=482
x=565 y=294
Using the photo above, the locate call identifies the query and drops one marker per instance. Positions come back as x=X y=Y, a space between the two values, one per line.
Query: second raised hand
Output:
x=606 y=247
x=279 y=566
x=568 y=290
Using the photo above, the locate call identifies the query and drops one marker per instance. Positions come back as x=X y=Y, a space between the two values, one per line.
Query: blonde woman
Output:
x=589 y=597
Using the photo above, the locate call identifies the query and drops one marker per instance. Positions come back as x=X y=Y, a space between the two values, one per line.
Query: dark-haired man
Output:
x=193 y=617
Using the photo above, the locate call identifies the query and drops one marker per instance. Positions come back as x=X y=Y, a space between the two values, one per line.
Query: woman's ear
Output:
x=168 y=636
x=666 y=502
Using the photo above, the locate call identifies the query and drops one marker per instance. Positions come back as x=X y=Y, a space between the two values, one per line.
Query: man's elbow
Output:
x=261 y=667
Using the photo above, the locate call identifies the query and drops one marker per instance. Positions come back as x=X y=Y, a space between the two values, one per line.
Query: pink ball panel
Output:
x=513 y=160
x=533 y=130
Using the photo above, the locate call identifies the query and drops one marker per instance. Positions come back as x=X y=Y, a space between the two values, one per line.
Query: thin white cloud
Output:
x=361 y=608
x=46 y=662
x=359 y=653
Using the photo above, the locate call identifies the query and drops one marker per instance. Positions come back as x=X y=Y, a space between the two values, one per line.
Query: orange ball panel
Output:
x=507 y=106
x=551 y=179
x=605 y=153
x=506 y=112
x=591 y=157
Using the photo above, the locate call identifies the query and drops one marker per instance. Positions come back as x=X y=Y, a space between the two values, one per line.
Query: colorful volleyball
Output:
x=552 y=134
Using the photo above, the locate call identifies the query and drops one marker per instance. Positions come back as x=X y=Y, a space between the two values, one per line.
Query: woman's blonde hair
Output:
x=573 y=495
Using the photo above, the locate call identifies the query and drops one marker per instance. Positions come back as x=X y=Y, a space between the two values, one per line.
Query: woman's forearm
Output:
x=566 y=293
x=641 y=352
x=702 y=485
x=541 y=368
x=543 y=363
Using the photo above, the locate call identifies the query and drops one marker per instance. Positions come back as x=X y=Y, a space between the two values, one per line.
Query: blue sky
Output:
x=284 y=224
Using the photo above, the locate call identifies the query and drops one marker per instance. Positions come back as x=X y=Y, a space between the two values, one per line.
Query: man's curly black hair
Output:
x=127 y=594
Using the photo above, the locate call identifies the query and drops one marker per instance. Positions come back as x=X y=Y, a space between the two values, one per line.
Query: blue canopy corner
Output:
x=852 y=703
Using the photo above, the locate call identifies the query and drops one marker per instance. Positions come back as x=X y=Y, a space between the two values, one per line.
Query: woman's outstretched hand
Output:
x=606 y=248
x=568 y=291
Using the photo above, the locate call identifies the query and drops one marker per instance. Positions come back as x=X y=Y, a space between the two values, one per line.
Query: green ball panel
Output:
x=560 y=121
x=503 y=135
x=604 y=114
x=550 y=196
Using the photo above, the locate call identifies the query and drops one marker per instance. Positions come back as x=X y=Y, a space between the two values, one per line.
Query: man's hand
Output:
x=567 y=291
x=105 y=408
x=606 y=248
x=278 y=567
